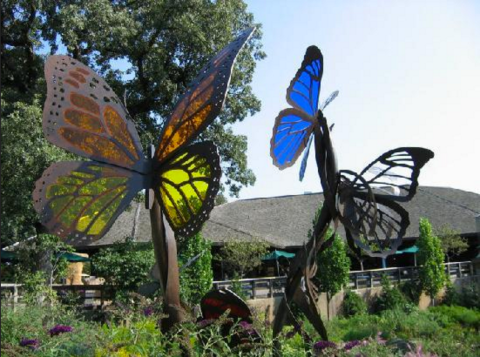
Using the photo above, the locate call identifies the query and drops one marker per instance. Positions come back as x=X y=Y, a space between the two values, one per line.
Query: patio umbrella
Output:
x=277 y=254
x=412 y=250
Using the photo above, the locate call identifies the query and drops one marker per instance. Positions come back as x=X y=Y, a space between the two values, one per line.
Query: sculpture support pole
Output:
x=165 y=248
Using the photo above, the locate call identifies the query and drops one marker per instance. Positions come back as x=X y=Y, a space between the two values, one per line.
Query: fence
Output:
x=259 y=288
x=88 y=295
x=270 y=287
x=371 y=278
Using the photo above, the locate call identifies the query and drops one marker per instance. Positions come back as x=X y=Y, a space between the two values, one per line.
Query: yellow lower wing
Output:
x=187 y=186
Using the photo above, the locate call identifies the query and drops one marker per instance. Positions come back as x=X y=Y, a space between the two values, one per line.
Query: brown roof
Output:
x=285 y=221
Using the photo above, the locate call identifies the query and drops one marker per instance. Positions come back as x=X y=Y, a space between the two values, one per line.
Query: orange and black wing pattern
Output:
x=79 y=201
x=83 y=115
x=202 y=102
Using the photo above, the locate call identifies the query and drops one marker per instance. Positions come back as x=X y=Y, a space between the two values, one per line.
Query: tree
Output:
x=125 y=265
x=241 y=257
x=452 y=243
x=25 y=154
x=333 y=268
x=196 y=278
x=430 y=256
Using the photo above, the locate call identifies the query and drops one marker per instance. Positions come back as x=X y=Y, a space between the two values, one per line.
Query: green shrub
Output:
x=451 y=297
x=353 y=304
x=125 y=265
x=462 y=315
x=412 y=290
x=390 y=298
x=470 y=296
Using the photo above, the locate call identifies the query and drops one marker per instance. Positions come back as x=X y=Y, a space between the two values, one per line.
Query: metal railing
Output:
x=372 y=278
x=87 y=295
x=258 y=288
x=261 y=288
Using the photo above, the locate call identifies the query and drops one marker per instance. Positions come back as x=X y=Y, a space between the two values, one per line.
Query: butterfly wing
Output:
x=202 y=102
x=216 y=302
x=79 y=201
x=368 y=209
x=84 y=116
x=291 y=134
x=304 y=89
x=187 y=186
x=379 y=235
x=396 y=171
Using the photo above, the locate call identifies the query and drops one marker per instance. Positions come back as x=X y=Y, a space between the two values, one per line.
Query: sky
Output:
x=408 y=73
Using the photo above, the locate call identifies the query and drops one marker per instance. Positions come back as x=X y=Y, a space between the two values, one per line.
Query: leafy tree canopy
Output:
x=241 y=257
x=148 y=51
x=452 y=243
x=196 y=275
x=430 y=257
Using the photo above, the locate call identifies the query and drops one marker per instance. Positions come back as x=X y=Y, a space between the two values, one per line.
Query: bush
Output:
x=124 y=265
x=470 y=296
x=459 y=314
x=412 y=290
x=353 y=304
x=390 y=298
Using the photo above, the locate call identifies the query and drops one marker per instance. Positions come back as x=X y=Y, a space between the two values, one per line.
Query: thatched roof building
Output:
x=284 y=221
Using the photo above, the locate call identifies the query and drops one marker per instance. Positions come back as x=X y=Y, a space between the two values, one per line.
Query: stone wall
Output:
x=268 y=307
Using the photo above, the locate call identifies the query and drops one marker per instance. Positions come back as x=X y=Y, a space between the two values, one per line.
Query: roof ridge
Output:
x=446 y=199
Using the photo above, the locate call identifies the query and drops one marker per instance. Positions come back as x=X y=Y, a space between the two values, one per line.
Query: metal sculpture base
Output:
x=165 y=248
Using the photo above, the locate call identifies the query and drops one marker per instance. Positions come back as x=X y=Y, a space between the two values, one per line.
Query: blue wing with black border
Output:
x=291 y=133
x=304 y=90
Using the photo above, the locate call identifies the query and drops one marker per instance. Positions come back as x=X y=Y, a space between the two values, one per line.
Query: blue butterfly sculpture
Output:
x=366 y=206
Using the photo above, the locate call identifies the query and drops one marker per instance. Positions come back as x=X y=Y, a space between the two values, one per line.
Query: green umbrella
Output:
x=277 y=254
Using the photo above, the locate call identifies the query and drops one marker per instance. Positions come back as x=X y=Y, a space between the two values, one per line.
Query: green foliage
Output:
x=469 y=296
x=25 y=154
x=459 y=314
x=353 y=304
x=390 y=298
x=444 y=331
x=196 y=279
x=44 y=252
x=412 y=290
x=241 y=257
x=125 y=265
x=333 y=267
x=430 y=257
x=452 y=243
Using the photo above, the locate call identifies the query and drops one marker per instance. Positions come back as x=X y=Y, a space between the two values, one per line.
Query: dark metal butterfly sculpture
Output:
x=367 y=207
x=80 y=200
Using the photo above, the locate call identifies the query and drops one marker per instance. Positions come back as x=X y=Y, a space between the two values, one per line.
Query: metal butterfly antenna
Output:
x=368 y=212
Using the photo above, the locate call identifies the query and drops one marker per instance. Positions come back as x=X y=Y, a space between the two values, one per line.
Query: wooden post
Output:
x=165 y=248
x=371 y=279
x=253 y=290
x=271 y=287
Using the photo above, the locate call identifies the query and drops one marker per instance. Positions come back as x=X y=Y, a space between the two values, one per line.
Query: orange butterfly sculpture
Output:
x=79 y=201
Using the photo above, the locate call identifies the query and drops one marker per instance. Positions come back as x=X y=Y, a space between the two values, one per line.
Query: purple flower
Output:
x=32 y=344
x=148 y=311
x=58 y=329
x=321 y=345
x=247 y=327
x=205 y=323
x=349 y=345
